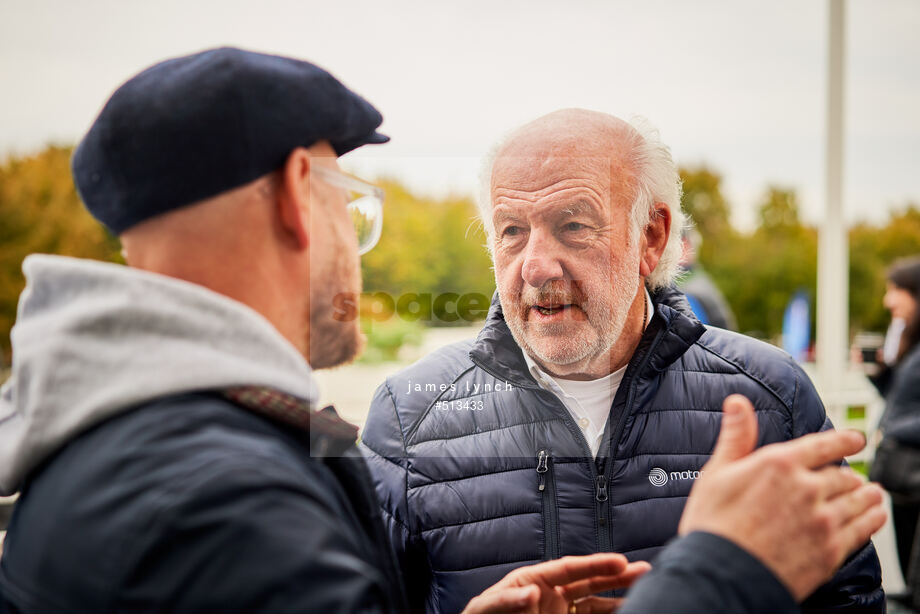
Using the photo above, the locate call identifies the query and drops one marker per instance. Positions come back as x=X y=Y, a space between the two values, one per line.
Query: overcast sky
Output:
x=737 y=85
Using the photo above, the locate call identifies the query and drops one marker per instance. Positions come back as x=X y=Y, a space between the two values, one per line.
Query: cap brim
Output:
x=377 y=139
x=374 y=138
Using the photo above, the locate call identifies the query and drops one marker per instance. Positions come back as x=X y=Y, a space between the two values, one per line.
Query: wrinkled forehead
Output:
x=533 y=177
x=539 y=155
x=534 y=172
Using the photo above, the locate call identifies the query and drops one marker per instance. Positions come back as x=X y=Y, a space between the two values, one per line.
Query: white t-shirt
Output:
x=588 y=401
x=893 y=341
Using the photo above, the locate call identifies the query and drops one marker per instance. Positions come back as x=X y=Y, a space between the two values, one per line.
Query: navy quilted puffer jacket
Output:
x=480 y=470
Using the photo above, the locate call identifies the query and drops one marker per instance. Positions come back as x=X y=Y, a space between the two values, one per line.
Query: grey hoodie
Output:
x=92 y=339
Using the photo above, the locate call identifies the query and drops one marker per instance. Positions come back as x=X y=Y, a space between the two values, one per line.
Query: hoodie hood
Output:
x=93 y=339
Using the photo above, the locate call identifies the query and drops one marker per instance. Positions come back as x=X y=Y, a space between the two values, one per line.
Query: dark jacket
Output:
x=706 y=574
x=480 y=470
x=194 y=504
x=901 y=389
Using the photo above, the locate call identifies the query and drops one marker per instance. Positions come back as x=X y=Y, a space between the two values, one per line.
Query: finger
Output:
x=570 y=569
x=835 y=481
x=738 y=434
x=506 y=600
x=849 y=506
x=818 y=449
x=858 y=531
x=598 y=605
x=590 y=586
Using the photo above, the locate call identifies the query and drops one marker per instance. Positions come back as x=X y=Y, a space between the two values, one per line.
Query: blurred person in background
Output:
x=705 y=299
x=898 y=381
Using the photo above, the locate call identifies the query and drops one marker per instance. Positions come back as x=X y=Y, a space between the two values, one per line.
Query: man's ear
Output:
x=294 y=197
x=655 y=239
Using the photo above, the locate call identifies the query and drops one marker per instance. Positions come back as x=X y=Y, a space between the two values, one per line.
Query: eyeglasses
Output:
x=365 y=205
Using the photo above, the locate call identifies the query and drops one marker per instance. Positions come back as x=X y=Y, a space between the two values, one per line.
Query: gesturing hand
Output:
x=789 y=504
x=563 y=586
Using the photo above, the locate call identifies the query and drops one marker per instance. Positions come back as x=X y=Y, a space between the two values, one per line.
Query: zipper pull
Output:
x=542 y=460
x=601 y=495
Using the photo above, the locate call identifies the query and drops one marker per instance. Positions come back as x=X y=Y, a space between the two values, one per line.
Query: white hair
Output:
x=656 y=180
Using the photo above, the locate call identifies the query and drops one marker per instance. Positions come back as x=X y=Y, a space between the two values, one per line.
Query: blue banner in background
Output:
x=797 y=326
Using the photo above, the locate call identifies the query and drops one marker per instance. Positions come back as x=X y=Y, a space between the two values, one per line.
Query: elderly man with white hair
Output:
x=581 y=416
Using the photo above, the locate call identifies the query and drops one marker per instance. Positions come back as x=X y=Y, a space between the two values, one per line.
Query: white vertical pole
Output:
x=833 y=261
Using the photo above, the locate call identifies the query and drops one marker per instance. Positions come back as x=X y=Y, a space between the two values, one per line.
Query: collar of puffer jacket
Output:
x=671 y=332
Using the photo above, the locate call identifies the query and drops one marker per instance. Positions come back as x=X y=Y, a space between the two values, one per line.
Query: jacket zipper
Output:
x=597 y=475
x=601 y=494
x=547 y=488
x=601 y=507
x=600 y=470
x=603 y=466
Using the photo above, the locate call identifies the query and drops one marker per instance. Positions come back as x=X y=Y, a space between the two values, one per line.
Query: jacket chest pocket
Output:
x=546 y=486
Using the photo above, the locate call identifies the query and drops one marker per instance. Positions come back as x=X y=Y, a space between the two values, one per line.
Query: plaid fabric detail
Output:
x=324 y=426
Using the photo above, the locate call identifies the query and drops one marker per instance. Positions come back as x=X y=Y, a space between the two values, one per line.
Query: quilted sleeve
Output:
x=383 y=446
x=702 y=573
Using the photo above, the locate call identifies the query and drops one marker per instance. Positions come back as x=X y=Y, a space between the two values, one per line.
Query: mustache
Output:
x=566 y=293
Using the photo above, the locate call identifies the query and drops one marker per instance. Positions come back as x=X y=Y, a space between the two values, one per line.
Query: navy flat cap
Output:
x=195 y=126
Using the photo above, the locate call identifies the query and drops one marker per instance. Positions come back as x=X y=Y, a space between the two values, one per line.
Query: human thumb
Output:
x=738 y=435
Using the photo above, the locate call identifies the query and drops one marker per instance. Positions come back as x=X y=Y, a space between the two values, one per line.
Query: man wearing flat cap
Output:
x=160 y=420
x=158 y=416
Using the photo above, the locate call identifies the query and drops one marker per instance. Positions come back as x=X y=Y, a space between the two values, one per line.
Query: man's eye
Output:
x=511 y=231
x=574 y=226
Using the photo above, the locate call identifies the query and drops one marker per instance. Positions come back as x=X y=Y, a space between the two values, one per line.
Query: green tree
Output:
x=872 y=250
x=703 y=201
x=709 y=212
x=436 y=246
x=779 y=212
x=432 y=247
x=42 y=213
x=760 y=271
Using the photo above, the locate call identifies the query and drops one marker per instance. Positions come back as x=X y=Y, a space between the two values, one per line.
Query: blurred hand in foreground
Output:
x=789 y=504
x=563 y=586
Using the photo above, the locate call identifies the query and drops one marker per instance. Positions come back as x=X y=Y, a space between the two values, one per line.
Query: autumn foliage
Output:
x=435 y=246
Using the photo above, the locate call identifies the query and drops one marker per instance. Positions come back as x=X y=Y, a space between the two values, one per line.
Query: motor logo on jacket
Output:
x=659 y=477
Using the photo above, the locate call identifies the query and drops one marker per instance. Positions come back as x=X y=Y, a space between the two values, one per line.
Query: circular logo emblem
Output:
x=657 y=477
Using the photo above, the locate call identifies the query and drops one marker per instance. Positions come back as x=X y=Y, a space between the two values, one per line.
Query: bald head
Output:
x=571 y=132
x=635 y=165
x=586 y=142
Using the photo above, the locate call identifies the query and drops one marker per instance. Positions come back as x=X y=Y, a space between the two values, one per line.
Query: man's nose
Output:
x=541 y=261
